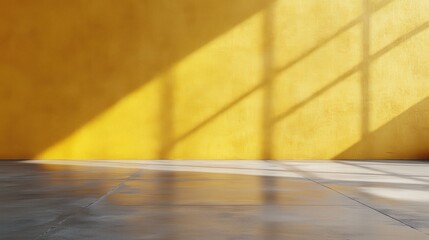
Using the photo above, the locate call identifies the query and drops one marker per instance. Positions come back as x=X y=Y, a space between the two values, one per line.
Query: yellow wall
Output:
x=214 y=79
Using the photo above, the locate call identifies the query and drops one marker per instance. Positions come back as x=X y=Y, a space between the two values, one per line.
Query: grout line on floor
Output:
x=62 y=220
x=305 y=175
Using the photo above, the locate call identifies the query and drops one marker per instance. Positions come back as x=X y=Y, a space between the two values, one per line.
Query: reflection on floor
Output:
x=214 y=200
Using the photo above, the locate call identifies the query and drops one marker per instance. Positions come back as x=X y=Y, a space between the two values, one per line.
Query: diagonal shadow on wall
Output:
x=379 y=145
x=63 y=63
x=271 y=73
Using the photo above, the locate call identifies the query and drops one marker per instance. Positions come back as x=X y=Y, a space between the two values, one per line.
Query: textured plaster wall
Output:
x=214 y=79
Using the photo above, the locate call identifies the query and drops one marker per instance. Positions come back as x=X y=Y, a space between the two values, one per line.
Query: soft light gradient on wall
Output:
x=214 y=79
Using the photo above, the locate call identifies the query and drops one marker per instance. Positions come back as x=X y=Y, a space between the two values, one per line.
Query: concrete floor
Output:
x=214 y=200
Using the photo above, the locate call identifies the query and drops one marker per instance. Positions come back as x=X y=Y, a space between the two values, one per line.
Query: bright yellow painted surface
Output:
x=214 y=79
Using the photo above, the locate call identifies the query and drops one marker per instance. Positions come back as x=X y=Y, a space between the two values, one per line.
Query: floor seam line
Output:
x=370 y=207
x=353 y=199
x=68 y=216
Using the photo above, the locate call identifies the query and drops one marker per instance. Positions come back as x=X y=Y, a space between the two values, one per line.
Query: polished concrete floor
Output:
x=214 y=200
